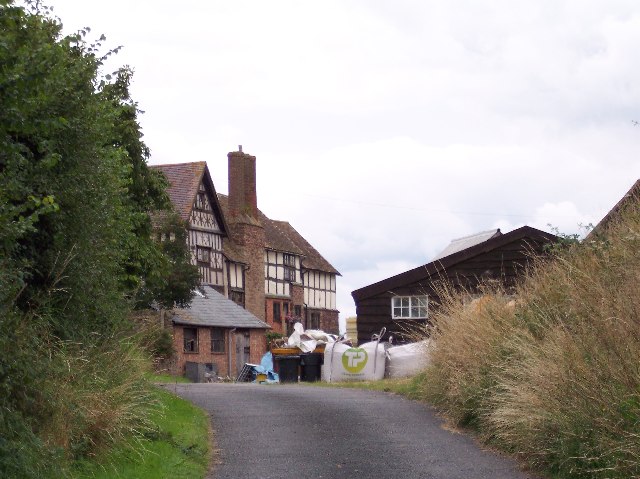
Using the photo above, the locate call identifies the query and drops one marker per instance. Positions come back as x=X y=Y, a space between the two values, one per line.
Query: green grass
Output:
x=408 y=387
x=178 y=448
x=166 y=378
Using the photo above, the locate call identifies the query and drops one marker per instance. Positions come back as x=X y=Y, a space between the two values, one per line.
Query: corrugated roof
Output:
x=465 y=242
x=210 y=308
x=281 y=236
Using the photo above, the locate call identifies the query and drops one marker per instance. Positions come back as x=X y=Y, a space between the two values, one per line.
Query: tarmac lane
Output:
x=304 y=432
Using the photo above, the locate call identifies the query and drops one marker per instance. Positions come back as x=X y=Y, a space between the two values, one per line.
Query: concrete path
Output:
x=304 y=432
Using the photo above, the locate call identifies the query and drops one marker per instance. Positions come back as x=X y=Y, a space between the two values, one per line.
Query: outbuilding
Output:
x=411 y=297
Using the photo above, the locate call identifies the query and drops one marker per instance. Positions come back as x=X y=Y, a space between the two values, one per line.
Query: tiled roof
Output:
x=465 y=242
x=311 y=259
x=184 y=179
x=281 y=236
x=210 y=308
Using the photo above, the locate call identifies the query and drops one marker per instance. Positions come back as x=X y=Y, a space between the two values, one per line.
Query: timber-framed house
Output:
x=264 y=266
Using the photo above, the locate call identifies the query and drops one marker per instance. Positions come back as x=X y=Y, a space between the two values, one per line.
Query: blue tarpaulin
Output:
x=266 y=367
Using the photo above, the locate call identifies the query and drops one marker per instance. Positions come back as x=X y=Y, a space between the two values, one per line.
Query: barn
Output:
x=410 y=297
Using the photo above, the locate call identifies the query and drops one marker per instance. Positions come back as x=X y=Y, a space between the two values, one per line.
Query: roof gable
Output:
x=184 y=182
x=434 y=267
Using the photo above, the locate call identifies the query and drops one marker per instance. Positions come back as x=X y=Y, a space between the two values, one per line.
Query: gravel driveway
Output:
x=300 y=431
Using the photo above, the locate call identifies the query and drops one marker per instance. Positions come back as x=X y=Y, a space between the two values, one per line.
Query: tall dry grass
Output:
x=554 y=374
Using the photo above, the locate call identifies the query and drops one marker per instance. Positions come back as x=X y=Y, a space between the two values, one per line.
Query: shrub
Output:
x=552 y=376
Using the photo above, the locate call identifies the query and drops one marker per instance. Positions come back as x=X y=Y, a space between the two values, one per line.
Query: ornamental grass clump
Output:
x=553 y=373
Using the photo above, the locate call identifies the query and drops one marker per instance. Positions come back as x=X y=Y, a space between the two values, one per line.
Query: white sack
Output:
x=345 y=363
x=407 y=360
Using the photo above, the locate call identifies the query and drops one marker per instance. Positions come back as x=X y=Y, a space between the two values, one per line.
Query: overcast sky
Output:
x=383 y=129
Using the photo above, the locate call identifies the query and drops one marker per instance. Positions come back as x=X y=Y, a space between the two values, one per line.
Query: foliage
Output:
x=176 y=447
x=553 y=375
x=175 y=278
x=272 y=336
x=75 y=246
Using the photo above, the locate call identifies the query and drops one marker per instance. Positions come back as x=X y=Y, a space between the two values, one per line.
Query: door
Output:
x=243 y=349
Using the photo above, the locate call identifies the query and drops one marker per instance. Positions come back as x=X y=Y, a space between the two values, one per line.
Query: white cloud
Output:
x=384 y=129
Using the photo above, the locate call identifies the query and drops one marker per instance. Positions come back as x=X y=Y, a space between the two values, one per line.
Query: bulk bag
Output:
x=407 y=360
x=347 y=363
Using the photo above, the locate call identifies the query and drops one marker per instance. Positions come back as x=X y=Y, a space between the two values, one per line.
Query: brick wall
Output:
x=257 y=344
x=328 y=320
x=277 y=325
x=204 y=354
x=246 y=229
x=251 y=238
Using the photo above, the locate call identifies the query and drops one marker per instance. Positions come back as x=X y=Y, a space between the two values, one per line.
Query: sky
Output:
x=382 y=130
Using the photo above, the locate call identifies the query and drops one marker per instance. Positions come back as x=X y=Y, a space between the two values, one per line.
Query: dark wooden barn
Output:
x=412 y=296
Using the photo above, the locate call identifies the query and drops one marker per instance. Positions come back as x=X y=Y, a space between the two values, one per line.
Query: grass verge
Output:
x=408 y=387
x=178 y=447
x=166 y=378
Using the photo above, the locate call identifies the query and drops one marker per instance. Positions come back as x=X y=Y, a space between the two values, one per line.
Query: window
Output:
x=237 y=297
x=314 y=322
x=203 y=255
x=289 y=274
x=409 y=307
x=217 y=340
x=190 y=340
x=289 y=261
x=297 y=311
x=276 y=312
x=201 y=201
x=285 y=308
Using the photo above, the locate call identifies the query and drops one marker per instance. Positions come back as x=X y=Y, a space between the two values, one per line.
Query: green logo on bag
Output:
x=354 y=359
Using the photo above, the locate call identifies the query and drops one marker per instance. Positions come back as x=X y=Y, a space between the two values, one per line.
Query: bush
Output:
x=552 y=376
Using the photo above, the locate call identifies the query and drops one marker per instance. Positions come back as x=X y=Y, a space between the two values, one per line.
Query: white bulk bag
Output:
x=407 y=360
x=346 y=363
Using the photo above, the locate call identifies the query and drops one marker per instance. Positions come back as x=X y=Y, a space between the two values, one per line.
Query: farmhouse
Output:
x=410 y=297
x=257 y=273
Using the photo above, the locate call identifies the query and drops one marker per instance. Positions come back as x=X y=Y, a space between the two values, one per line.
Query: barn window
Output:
x=409 y=307
x=217 y=340
x=190 y=340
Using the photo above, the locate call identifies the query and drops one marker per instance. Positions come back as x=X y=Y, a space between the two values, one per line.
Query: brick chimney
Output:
x=246 y=228
x=243 y=198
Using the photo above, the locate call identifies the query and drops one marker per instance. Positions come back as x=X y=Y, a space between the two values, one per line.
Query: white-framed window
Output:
x=409 y=307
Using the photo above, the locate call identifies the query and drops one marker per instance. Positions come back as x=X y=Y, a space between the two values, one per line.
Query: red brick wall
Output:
x=328 y=320
x=268 y=313
x=204 y=354
x=251 y=239
x=221 y=360
x=246 y=229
